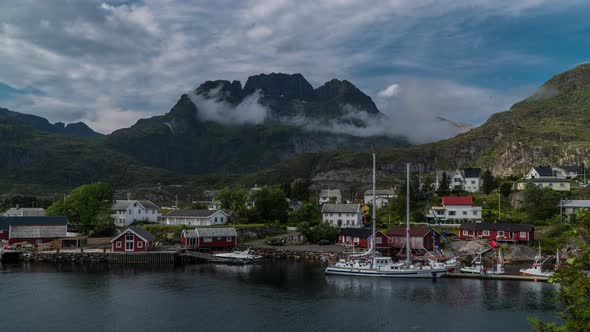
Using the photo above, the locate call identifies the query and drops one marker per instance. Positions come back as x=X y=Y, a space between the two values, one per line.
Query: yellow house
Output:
x=555 y=184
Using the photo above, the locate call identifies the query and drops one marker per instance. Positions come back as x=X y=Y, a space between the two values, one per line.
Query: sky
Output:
x=110 y=63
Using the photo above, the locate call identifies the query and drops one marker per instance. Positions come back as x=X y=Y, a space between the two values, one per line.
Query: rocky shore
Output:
x=65 y=257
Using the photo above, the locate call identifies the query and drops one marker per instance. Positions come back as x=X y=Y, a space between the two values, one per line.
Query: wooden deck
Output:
x=495 y=277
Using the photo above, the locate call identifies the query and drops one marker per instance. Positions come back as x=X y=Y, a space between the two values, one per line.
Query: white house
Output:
x=382 y=197
x=570 y=207
x=342 y=215
x=24 y=212
x=456 y=209
x=466 y=179
x=125 y=212
x=195 y=217
x=327 y=194
x=554 y=172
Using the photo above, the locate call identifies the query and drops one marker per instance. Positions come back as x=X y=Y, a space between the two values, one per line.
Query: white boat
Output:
x=536 y=270
x=477 y=266
x=378 y=266
x=240 y=256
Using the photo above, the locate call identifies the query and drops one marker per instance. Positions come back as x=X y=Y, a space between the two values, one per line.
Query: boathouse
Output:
x=211 y=238
x=33 y=229
x=133 y=239
x=361 y=237
x=502 y=232
x=420 y=238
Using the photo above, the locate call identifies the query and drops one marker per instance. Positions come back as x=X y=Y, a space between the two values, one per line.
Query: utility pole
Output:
x=499 y=200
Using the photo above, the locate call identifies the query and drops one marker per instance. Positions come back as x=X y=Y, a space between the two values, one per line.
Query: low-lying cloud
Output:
x=214 y=108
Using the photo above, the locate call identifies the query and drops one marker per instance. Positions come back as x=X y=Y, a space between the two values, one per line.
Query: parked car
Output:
x=324 y=242
x=275 y=242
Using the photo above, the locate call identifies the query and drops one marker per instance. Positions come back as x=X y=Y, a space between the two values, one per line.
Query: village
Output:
x=460 y=211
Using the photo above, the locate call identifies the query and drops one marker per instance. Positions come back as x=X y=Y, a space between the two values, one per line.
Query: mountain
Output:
x=550 y=127
x=78 y=129
x=222 y=127
x=462 y=127
x=33 y=157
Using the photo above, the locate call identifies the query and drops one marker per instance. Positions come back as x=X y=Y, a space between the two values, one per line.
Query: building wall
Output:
x=124 y=218
x=557 y=186
x=136 y=240
x=494 y=235
x=343 y=220
x=472 y=185
x=217 y=242
x=399 y=242
x=218 y=218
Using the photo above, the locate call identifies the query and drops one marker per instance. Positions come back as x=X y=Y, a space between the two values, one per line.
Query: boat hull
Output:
x=432 y=273
x=533 y=273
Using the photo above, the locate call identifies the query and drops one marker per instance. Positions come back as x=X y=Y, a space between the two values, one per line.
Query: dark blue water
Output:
x=267 y=297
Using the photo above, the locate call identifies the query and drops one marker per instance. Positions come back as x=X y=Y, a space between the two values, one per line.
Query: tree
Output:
x=88 y=205
x=234 y=199
x=300 y=189
x=316 y=233
x=574 y=289
x=506 y=189
x=443 y=185
x=489 y=182
x=540 y=203
x=271 y=205
x=307 y=212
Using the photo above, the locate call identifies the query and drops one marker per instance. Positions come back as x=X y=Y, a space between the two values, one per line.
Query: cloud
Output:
x=212 y=108
x=389 y=91
x=143 y=54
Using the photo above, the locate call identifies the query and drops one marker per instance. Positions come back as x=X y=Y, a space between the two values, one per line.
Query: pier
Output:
x=496 y=277
x=203 y=256
x=150 y=257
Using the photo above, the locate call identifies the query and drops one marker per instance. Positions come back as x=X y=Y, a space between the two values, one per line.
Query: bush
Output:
x=322 y=231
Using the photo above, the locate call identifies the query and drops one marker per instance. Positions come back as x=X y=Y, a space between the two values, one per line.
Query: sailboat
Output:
x=536 y=270
x=372 y=265
x=478 y=267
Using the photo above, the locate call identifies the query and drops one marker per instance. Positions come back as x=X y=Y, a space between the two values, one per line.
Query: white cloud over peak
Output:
x=390 y=91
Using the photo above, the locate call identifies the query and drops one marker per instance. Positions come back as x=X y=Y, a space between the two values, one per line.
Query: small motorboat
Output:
x=477 y=266
x=536 y=270
x=239 y=256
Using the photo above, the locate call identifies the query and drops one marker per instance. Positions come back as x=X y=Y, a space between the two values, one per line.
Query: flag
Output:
x=493 y=244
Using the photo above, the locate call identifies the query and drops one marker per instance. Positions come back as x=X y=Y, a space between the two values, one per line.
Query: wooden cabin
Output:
x=133 y=239
x=502 y=232
x=361 y=237
x=212 y=238
x=420 y=238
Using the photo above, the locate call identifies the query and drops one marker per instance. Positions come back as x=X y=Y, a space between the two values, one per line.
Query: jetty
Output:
x=203 y=256
x=496 y=277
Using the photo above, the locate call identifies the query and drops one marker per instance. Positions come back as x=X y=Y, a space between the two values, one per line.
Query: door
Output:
x=129 y=242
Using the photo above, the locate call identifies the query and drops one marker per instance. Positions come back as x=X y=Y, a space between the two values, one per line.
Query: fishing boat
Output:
x=372 y=265
x=477 y=266
x=536 y=270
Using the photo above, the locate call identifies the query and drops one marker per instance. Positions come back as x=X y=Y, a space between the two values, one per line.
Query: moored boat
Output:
x=536 y=269
x=239 y=256
x=478 y=267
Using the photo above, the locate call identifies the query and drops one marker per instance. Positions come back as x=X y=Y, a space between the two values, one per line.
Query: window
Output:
x=562 y=185
x=207 y=239
x=129 y=241
x=378 y=240
x=475 y=213
x=523 y=235
x=356 y=240
x=500 y=233
x=472 y=181
x=486 y=233
x=465 y=232
x=464 y=213
x=130 y=212
x=339 y=214
x=452 y=213
x=119 y=244
x=153 y=211
x=140 y=244
x=228 y=239
x=550 y=184
x=138 y=211
x=221 y=220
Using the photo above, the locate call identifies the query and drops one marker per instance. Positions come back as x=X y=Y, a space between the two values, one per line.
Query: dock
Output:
x=203 y=256
x=496 y=277
x=150 y=257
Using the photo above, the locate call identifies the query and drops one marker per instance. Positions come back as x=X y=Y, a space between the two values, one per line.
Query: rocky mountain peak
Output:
x=291 y=86
x=576 y=79
x=222 y=90
x=346 y=93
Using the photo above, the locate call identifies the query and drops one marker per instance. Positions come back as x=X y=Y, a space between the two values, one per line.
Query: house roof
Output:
x=380 y=192
x=572 y=169
x=457 y=200
x=37 y=231
x=472 y=172
x=330 y=193
x=414 y=231
x=341 y=208
x=15 y=211
x=5 y=222
x=123 y=204
x=356 y=232
x=193 y=213
x=544 y=170
x=577 y=203
x=498 y=227
x=210 y=232
x=139 y=231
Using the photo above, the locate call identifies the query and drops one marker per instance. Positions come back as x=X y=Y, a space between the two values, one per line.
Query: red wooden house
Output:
x=133 y=239
x=420 y=238
x=498 y=232
x=361 y=237
x=212 y=238
x=33 y=229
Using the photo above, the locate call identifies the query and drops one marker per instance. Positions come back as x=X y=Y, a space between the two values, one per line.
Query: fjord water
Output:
x=273 y=296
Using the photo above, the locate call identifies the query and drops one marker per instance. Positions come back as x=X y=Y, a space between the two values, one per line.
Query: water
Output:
x=274 y=296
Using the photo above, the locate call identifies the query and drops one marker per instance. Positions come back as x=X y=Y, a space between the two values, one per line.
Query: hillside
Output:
x=552 y=126
x=78 y=129
x=222 y=127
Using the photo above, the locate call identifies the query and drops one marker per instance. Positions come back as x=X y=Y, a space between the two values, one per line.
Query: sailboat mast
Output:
x=408 y=250
x=373 y=244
